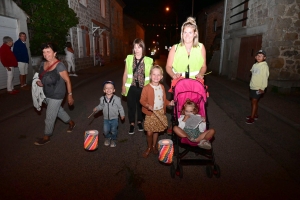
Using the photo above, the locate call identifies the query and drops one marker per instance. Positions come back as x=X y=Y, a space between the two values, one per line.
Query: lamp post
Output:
x=168 y=10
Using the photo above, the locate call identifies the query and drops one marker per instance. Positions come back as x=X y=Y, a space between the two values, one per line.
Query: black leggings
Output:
x=133 y=104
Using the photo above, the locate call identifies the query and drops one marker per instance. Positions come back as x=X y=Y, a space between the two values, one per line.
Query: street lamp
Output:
x=168 y=10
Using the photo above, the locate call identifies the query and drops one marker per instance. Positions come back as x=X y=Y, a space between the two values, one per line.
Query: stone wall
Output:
x=117 y=51
x=279 y=23
x=282 y=40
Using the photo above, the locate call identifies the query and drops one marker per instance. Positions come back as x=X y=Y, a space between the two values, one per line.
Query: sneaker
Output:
x=131 y=130
x=107 y=142
x=75 y=75
x=204 y=144
x=70 y=74
x=112 y=143
x=255 y=117
x=140 y=127
x=250 y=121
x=41 y=141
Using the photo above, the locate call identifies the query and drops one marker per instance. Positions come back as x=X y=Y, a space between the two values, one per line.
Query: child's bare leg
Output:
x=149 y=144
x=155 y=137
x=178 y=131
x=254 y=107
x=206 y=135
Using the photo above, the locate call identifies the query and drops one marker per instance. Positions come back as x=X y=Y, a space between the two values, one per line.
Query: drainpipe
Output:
x=222 y=41
x=110 y=35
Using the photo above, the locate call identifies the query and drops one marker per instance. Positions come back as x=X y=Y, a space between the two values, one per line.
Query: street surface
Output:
x=258 y=161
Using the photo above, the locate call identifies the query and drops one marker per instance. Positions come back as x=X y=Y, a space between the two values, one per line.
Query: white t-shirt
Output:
x=202 y=125
x=158 y=97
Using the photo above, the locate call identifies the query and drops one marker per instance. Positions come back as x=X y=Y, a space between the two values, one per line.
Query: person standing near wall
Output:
x=21 y=53
x=9 y=61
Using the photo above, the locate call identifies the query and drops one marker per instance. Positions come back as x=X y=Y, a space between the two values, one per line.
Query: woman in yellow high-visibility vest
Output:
x=136 y=75
x=188 y=58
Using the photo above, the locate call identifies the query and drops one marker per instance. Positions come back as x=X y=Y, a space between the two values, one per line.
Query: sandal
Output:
x=155 y=150
x=147 y=152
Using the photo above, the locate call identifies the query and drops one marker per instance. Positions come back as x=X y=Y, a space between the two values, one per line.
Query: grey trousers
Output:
x=54 y=110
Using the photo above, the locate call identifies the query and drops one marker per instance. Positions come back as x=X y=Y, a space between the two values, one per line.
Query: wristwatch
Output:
x=70 y=93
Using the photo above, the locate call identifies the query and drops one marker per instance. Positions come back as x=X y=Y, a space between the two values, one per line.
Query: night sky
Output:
x=153 y=11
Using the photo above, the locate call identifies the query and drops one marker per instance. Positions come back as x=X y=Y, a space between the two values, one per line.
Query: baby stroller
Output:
x=195 y=91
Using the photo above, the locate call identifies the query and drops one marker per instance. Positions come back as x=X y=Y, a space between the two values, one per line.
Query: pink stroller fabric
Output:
x=195 y=91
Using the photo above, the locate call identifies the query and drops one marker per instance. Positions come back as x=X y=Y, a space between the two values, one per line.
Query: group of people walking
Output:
x=141 y=84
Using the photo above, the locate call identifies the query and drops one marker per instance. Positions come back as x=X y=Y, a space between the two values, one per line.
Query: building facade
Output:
x=100 y=30
x=132 y=29
x=252 y=25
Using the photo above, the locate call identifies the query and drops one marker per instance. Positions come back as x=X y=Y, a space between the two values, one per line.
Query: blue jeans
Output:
x=110 y=128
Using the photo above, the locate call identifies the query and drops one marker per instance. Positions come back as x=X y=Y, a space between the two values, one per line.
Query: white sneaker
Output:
x=107 y=141
x=112 y=143
x=204 y=144
x=75 y=75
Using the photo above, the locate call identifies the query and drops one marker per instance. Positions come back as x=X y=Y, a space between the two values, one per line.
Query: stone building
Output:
x=117 y=30
x=99 y=29
x=132 y=29
x=272 y=25
x=209 y=22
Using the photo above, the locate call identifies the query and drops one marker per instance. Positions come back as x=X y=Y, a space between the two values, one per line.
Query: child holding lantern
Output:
x=154 y=102
x=112 y=107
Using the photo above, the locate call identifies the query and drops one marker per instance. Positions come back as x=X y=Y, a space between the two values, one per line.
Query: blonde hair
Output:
x=189 y=102
x=190 y=22
x=156 y=67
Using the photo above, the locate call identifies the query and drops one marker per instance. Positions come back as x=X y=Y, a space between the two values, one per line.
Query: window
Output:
x=215 y=25
x=107 y=46
x=102 y=8
x=83 y=42
x=83 y=2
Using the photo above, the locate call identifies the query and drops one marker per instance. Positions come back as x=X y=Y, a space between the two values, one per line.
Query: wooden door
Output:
x=248 y=48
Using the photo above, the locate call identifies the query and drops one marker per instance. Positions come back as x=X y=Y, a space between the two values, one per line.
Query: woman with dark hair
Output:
x=53 y=76
x=136 y=75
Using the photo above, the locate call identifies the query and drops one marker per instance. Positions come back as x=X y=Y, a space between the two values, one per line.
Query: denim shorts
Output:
x=254 y=95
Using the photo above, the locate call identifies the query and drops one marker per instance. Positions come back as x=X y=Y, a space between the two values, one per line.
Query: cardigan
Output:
x=147 y=98
x=7 y=57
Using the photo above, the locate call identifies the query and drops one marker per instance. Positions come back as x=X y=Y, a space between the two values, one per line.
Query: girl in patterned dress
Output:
x=154 y=102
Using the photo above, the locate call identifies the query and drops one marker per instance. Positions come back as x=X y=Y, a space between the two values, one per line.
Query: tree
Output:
x=49 y=21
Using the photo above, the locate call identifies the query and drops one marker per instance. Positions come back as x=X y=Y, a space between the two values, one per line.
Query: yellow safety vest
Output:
x=129 y=63
x=182 y=60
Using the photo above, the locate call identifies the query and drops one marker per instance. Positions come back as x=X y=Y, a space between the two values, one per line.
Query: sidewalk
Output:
x=283 y=106
x=12 y=105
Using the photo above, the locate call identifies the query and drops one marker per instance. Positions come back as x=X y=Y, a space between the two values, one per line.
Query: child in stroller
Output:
x=193 y=126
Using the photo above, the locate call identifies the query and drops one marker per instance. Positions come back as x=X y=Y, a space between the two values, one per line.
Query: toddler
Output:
x=112 y=107
x=192 y=126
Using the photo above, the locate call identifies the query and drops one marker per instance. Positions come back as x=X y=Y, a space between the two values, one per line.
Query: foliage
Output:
x=49 y=21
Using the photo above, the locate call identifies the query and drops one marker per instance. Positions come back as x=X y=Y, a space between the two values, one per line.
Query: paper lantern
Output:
x=90 y=140
x=166 y=151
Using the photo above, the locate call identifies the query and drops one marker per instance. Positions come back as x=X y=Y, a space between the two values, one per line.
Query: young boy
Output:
x=258 y=83
x=112 y=107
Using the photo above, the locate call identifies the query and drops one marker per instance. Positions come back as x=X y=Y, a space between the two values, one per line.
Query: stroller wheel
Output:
x=172 y=171
x=217 y=171
x=209 y=171
x=179 y=171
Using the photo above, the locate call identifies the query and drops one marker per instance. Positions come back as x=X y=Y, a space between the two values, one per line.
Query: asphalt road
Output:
x=257 y=162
